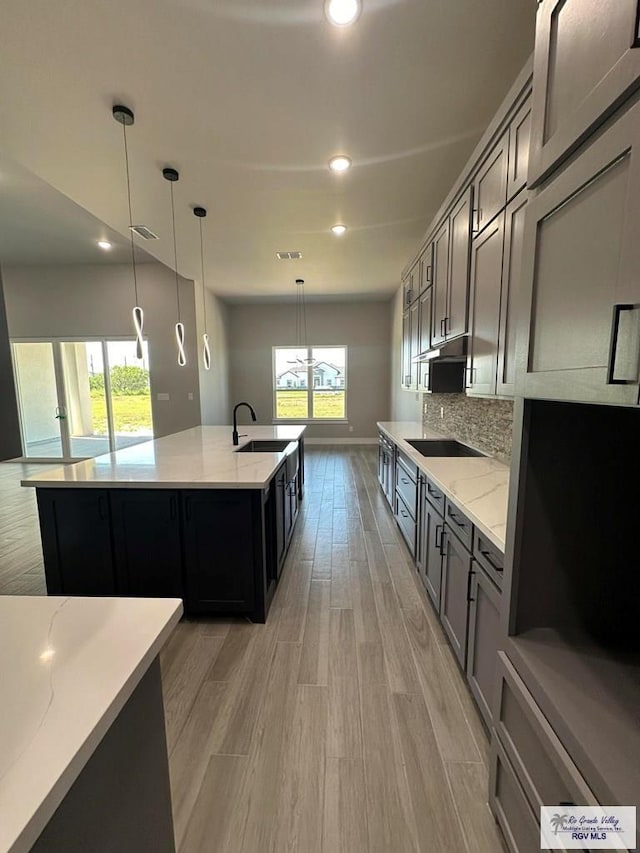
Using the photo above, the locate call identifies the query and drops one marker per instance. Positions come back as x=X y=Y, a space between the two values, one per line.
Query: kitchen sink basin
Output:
x=442 y=447
x=265 y=446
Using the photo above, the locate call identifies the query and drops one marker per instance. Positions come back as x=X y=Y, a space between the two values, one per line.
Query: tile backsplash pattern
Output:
x=486 y=424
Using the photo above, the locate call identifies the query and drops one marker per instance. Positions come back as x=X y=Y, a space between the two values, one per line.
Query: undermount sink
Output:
x=442 y=447
x=269 y=445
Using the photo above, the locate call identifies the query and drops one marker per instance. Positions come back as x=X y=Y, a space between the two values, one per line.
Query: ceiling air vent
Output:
x=288 y=256
x=144 y=232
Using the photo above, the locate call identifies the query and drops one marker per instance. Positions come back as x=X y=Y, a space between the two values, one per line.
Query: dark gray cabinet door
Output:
x=414 y=344
x=424 y=334
x=580 y=276
x=412 y=283
x=432 y=530
x=483 y=640
x=406 y=350
x=484 y=308
x=147 y=542
x=585 y=64
x=459 y=259
x=511 y=278
x=490 y=184
x=454 y=599
x=519 y=143
x=440 y=272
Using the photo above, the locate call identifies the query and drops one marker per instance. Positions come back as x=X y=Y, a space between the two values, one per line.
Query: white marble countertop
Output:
x=67 y=668
x=200 y=458
x=478 y=485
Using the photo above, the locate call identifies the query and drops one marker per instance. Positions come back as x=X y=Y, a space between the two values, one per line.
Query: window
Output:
x=310 y=383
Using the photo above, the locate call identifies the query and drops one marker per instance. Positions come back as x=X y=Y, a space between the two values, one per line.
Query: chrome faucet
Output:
x=235 y=420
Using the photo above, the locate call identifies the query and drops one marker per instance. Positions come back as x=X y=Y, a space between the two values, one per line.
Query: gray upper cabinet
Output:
x=457 y=299
x=586 y=62
x=414 y=367
x=519 y=143
x=424 y=336
x=511 y=277
x=490 y=184
x=406 y=350
x=412 y=283
x=440 y=273
x=580 y=276
x=484 y=310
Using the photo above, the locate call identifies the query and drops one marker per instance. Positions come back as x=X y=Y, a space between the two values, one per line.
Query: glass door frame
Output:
x=61 y=392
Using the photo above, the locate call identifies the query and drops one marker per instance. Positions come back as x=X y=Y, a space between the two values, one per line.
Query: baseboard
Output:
x=317 y=441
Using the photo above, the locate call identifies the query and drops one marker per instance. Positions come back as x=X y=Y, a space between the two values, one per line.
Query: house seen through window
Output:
x=310 y=383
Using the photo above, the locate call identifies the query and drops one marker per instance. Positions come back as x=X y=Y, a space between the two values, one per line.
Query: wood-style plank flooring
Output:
x=344 y=723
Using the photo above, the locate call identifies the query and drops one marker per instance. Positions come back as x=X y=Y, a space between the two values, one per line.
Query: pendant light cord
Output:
x=204 y=296
x=133 y=255
x=175 y=248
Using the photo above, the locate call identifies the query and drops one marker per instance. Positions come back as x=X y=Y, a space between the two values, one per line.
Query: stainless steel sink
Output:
x=269 y=445
x=442 y=447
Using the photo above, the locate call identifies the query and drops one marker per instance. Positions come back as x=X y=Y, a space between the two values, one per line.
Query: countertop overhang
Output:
x=477 y=485
x=67 y=668
x=199 y=458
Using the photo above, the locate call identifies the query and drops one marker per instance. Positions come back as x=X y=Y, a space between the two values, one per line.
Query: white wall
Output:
x=405 y=405
x=364 y=327
x=214 y=383
x=96 y=301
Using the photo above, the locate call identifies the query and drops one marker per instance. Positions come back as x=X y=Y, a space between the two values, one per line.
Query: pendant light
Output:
x=201 y=212
x=124 y=116
x=302 y=341
x=172 y=176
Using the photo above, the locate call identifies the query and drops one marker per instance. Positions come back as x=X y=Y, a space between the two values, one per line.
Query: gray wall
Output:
x=214 y=383
x=405 y=405
x=364 y=327
x=10 y=444
x=96 y=301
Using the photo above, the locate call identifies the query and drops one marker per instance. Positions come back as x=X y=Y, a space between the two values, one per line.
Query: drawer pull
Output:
x=404 y=480
x=403 y=514
x=439 y=527
x=433 y=493
x=487 y=556
x=456 y=520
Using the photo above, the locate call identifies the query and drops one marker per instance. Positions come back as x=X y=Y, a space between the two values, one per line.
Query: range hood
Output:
x=453 y=349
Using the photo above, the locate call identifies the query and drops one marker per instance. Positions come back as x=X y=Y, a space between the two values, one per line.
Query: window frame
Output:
x=310 y=386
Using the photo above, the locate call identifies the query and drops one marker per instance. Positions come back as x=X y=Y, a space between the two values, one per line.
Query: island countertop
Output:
x=67 y=668
x=199 y=458
x=478 y=485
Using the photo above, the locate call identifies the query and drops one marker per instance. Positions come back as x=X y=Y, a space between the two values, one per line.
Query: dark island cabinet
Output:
x=147 y=542
x=224 y=547
x=76 y=541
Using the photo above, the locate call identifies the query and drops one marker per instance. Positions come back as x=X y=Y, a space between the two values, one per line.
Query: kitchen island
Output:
x=187 y=516
x=83 y=754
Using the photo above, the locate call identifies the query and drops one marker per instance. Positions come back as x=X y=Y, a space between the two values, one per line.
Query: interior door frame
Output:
x=61 y=392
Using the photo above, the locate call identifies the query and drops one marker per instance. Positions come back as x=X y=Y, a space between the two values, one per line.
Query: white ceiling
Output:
x=249 y=99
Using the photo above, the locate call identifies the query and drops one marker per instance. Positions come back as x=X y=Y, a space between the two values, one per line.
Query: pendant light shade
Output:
x=201 y=212
x=124 y=116
x=172 y=176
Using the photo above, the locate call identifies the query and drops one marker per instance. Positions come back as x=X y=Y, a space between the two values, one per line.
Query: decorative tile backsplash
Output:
x=485 y=424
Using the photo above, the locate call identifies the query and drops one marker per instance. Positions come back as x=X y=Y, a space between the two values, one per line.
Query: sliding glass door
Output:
x=80 y=399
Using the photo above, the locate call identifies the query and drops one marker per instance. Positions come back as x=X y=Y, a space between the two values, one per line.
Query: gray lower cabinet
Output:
x=586 y=62
x=580 y=276
x=483 y=640
x=429 y=548
x=514 y=221
x=454 y=599
x=509 y=805
x=484 y=308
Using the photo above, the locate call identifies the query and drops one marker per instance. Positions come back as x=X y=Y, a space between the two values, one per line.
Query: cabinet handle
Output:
x=101 y=509
x=615 y=338
x=428 y=273
x=478 y=215
x=469 y=596
x=442 y=332
x=439 y=527
x=447 y=323
x=187 y=509
x=455 y=519
x=403 y=514
x=404 y=480
x=443 y=543
x=469 y=372
x=487 y=556
x=433 y=492
x=172 y=507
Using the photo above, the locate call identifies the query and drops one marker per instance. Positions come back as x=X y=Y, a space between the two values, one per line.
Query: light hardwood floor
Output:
x=344 y=723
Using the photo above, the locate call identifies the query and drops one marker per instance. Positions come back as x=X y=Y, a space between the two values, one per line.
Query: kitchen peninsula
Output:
x=187 y=516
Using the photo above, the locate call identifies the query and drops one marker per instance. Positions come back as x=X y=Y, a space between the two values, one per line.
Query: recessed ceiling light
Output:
x=340 y=163
x=339 y=230
x=105 y=244
x=342 y=13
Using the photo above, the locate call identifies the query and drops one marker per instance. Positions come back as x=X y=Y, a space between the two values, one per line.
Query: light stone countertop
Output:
x=199 y=458
x=479 y=486
x=67 y=668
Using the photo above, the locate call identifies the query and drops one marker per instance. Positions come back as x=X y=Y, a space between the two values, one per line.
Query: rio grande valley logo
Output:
x=587 y=828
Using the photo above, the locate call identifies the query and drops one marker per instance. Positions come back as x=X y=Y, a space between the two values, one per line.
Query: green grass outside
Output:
x=326 y=404
x=131 y=413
